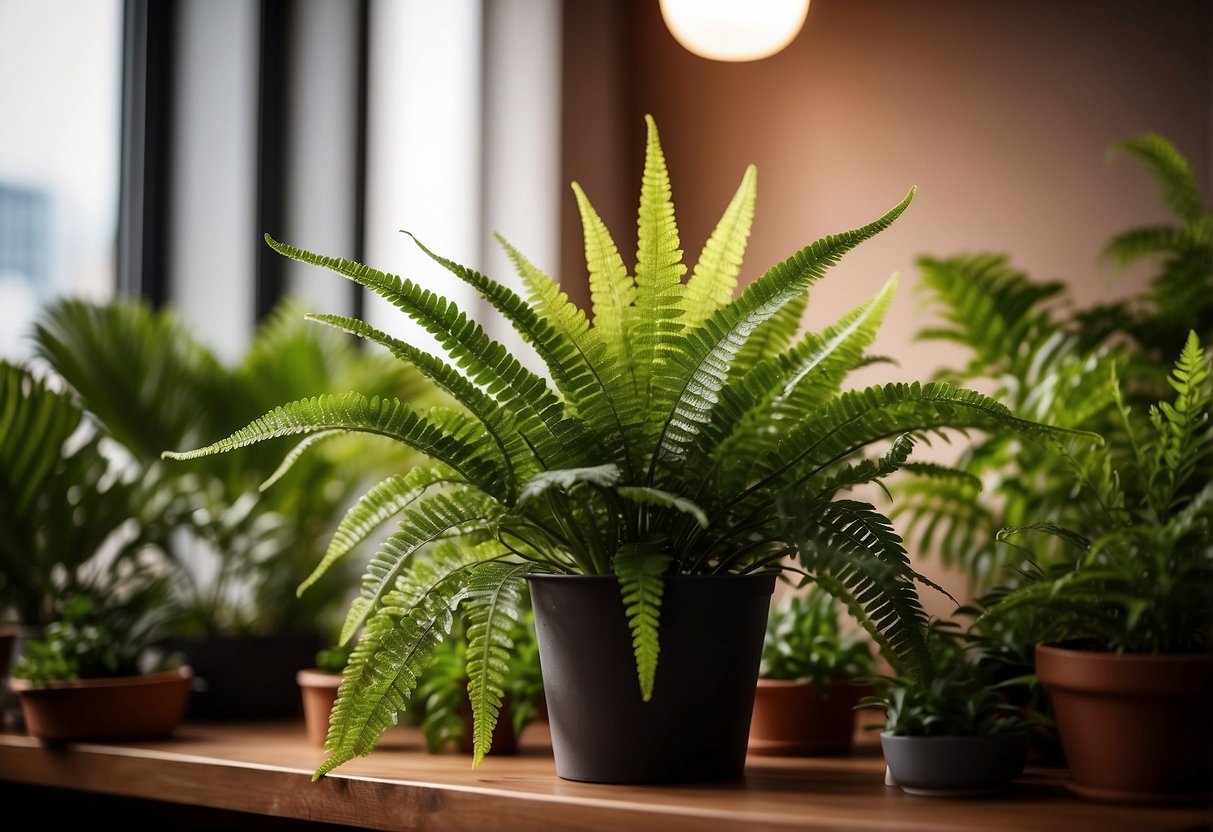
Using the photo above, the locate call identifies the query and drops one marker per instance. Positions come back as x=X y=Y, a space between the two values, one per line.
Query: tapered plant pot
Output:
x=318 y=692
x=696 y=726
x=795 y=717
x=961 y=766
x=150 y=706
x=1134 y=727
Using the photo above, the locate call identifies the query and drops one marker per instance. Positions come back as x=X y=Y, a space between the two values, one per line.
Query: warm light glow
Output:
x=734 y=30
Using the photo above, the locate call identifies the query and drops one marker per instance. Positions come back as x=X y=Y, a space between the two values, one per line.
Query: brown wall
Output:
x=1000 y=112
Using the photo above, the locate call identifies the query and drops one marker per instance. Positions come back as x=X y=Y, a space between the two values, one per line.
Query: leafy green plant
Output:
x=71 y=521
x=99 y=638
x=1142 y=577
x=958 y=698
x=688 y=432
x=1051 y=361
x=805 y=639
x=334 y=658
x=239 y=550
x=440 y=705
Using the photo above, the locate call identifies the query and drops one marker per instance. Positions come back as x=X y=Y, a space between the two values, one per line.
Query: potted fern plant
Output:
x=812 y=675
x=689 y=447
x=1127 y=658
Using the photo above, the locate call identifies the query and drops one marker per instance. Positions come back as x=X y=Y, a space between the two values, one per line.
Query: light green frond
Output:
x=381 y=503
x=664 y=499
x=612 y=290
x=693 y=375
x=493 y=601
x=771 y=337
x=564 y=479
x=486 y=362
x=715 y=274
x=657 y=316
x=429 y=519
x=639 y=567
x=355 y=412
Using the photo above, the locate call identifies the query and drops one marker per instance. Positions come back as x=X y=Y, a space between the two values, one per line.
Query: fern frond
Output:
x=853 y=552
x=35 y=422
x=664 y=499
x=639 y=567
x=612 y=289
x=381 y=503
x=429 y=519
x=493 y=603
x=657 y=315
x=355 y=412
x=867 y=470
x=295 y=453
x=487 y=362
x=565 y=479
x=771 y=338
x=715 y=274
x=693 y=375
x=1170 y=170
x=1130 y=246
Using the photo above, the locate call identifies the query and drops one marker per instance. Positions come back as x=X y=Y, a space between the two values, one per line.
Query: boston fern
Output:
x=683 y=432
x=1142 y=580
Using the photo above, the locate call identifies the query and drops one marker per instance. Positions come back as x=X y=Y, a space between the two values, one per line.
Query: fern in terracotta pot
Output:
x=1127 y=651
x=685 y=447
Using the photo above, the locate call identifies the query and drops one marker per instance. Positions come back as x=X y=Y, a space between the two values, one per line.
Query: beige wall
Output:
x=1000 y=112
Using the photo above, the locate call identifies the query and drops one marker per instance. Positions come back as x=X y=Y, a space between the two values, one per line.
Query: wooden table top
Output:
x=266 y=768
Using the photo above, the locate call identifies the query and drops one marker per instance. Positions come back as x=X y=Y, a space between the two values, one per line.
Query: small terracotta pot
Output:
x=319 y=691
x=797 y=718
x=961 y=766
x=150 y=706
x=1134 y=726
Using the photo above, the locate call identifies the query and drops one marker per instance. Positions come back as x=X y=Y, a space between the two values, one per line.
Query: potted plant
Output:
x=810 y=680
x=318 y=689
x=950 y=732
x=692 y=448
x=1127 y=658
x=441 y=706
x=238 y=551
x=95 y=673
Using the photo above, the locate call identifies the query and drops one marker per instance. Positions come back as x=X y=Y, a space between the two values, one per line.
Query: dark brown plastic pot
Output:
x=1134 y=727
x=696 y=726
x=318 y=691
x=795 y=717
x=150 y=706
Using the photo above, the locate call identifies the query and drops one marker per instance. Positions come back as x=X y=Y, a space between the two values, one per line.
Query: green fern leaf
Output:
x=355 y=412
x=428 y=520
x=694 y=374
x=639 y=567
x=664 y=499
x=493 y=603
x=565 y=479
x=715 y=274
x=378 y=505
x=770 y=338
x=487 y=362
x=35 y=422
x=295 y=453
x=1170 y=170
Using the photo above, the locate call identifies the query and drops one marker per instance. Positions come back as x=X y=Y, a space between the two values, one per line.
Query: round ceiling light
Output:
x=734 y=30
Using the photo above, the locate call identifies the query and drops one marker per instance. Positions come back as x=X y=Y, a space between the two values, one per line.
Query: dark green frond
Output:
x=639 y=567
x=1170 y=171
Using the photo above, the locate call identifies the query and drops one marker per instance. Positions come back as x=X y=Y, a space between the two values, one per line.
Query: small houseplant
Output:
x=318 y=688
x=693 y=447
x=810 y=679
x=96 y=673
x=1127 y=657
x=950 y=732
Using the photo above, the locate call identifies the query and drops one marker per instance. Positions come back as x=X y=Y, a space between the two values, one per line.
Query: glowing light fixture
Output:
x=734 y=30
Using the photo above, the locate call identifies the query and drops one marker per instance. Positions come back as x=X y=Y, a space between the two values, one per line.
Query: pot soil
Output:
x=954 y=766
x=150 y=706
x=1134 y=727
x=795 y=717
x=696 y=726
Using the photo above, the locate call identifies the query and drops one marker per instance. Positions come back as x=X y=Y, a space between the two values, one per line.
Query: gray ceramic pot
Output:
x=954 y=766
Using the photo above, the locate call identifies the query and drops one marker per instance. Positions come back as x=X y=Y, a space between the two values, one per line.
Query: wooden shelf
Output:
x=265 y=770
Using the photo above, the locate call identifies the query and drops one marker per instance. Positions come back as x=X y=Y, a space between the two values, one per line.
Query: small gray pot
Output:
x=954 y=766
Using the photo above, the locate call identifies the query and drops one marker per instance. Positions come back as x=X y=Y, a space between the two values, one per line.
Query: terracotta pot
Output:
x=122 y=708
x=696 y=725
x=1134 y=727
x=318 y=690
x=794 y=717
x=954 y=766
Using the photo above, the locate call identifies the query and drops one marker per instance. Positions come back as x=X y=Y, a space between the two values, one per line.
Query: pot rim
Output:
x=952 y=738
x=1061 y=649
x=314 y=677
x=182 y=673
